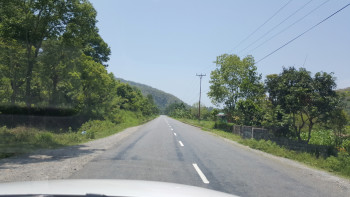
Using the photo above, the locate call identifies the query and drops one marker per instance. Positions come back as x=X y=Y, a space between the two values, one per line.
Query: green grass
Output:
x=21 y=140
x=339 y=165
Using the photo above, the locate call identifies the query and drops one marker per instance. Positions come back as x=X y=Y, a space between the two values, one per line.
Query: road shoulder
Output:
x=57 y=163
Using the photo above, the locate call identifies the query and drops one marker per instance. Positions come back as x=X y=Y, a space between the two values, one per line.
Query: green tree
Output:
x=235 y=81
x=95 y=84
x=178 y=110
x=304 y=99
x=55 y=63
x=249 y=112
x=33 y=22
x=205 y=113
x=12 y=75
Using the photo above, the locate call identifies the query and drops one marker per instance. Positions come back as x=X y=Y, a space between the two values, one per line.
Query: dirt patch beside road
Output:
x=57 y=163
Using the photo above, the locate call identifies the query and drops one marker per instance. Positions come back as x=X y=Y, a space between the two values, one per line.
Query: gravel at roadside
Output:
x=57 y=163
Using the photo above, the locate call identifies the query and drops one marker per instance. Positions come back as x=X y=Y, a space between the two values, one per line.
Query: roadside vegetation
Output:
x=55 y=89
x=19 y=140
x=339 y=164
x=294 y=105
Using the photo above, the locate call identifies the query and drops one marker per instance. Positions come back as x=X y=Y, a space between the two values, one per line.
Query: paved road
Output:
x=170 y=151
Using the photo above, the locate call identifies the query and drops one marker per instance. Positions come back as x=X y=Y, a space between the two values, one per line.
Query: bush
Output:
x=16 y=135
x=90 y=135
x=320 y=137
x=44 y=139
x=223 y=126
x=333 y=163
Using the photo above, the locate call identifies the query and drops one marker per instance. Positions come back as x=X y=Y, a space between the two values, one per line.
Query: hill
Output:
x=346 y=93
x=162 y=99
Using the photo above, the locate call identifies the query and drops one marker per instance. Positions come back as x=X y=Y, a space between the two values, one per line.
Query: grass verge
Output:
x=21 y=140
x=339 y=165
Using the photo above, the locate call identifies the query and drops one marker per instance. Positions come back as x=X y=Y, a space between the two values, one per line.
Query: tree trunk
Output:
x=29 y=75
x=310 y=129
x=13 y=96
x=28 y=83
x=54 y=95
x=14 y=92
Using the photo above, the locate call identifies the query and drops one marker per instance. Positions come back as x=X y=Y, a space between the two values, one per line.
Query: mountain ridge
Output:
x=162 y=99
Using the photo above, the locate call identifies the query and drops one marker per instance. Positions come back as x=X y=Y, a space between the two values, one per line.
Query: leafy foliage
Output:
x=295 y=101
x=178 y=110
x=236 y=84
x=161 y=99
x=345 y=95
x=304 y=100
x=52 y=57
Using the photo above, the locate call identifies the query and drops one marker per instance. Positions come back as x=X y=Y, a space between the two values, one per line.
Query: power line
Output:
x=262 y=24
x=297 y=21
x=284 y=20
x=303 y=33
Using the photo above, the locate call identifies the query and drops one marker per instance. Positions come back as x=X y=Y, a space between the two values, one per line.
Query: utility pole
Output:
x=200 y=94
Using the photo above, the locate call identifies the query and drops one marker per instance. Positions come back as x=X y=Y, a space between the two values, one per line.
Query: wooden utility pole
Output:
x=200 y=94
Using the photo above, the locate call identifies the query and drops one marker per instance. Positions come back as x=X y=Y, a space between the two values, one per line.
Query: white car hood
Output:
x=106 y=187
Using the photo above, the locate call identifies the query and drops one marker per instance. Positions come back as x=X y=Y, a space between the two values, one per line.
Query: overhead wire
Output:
x=280 y=9
x=303 y=33
x=285 y=29
x=284 y=20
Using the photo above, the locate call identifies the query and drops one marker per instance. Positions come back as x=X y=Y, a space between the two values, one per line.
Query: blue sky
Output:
x=164 y=43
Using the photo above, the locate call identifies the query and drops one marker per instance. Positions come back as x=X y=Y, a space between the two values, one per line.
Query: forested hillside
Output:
x=161 y=99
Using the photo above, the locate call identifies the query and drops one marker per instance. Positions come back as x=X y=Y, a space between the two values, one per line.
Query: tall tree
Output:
x=56 y=61
x=12 y=75
x=235 y=79
x=31 y=22
x=306 y=100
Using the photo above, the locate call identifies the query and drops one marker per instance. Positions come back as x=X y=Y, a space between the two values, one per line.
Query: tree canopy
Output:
x=236 y=84
x=305 y=100
x=52 y=56
x=291 y=102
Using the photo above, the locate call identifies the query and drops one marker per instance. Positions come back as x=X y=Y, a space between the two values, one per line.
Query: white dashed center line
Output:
x=175 y=134
x=181 y=144
x=199 y=171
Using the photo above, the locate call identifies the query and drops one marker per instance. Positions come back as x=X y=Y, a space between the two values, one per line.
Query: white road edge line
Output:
x=175 y=134
x=181 y=144
x=204 y=179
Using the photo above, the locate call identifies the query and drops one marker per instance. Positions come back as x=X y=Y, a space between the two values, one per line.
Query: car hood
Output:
x=105 y=187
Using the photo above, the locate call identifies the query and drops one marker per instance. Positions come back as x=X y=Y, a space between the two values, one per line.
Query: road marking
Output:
x=175 y=134
x=181 y=144
x=204 y=179
x=172 y=129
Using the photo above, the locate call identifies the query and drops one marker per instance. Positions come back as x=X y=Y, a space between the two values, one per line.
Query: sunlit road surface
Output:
x=170 y=151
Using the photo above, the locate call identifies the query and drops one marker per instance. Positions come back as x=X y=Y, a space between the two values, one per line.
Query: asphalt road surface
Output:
x=170 y=151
